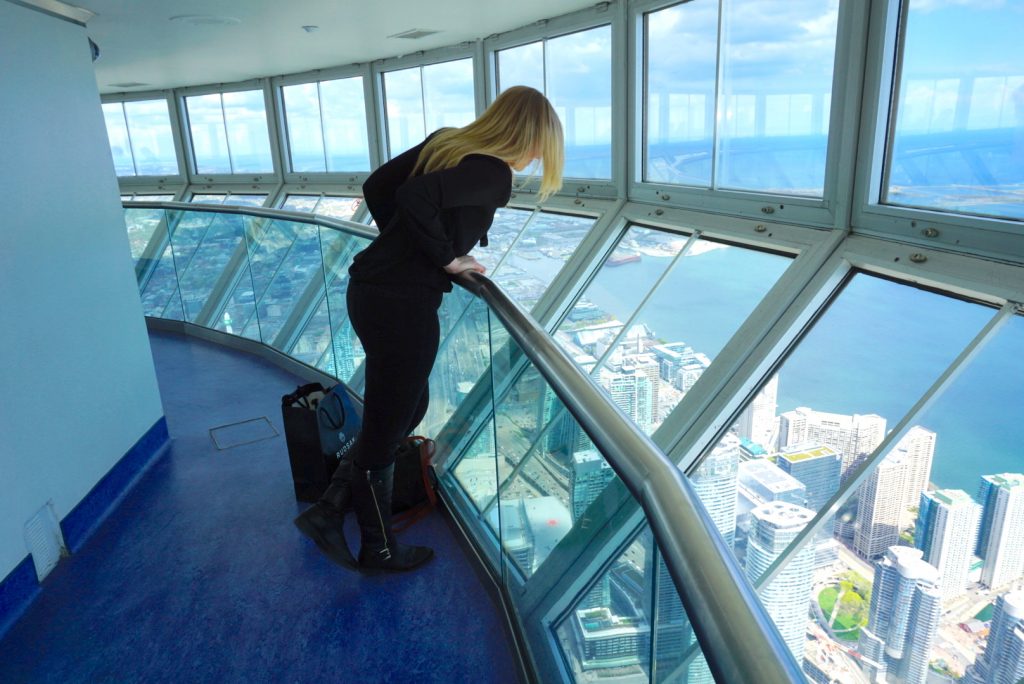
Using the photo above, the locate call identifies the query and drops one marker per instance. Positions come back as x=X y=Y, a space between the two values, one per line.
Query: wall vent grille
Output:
x=44 y=540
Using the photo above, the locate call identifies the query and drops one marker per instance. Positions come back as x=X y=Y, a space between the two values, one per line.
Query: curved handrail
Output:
x=739 y=639
x=261 y=212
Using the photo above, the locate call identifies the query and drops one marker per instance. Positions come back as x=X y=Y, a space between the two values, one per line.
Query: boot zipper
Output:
x=385 y=552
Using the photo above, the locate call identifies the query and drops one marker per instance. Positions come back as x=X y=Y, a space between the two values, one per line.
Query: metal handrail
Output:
x=739 y=639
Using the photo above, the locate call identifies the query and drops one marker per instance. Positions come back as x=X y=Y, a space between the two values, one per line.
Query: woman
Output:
x=433 y=204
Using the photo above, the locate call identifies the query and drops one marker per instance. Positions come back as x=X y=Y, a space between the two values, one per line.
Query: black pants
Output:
x=400 y=334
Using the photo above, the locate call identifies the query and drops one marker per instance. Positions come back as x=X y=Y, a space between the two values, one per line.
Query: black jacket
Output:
x=429 y=219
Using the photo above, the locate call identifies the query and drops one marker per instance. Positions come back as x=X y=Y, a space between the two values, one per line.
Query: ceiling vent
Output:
x=128 y=84
x=414 y=34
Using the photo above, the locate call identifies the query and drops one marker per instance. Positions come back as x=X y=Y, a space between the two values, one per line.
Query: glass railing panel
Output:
x=608 y=633
x=284 y=258
x=548 y=471
x=544 y=247
x=335 y=207
x=868 y=358
x=160 y=297
x=503 y=233
x=336 y=342
x=462 y=358
x=141 y=225
x=222 y=240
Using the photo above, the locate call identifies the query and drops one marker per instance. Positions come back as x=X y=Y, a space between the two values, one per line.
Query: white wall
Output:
x=77 y=385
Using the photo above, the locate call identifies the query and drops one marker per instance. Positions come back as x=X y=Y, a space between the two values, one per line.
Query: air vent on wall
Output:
x=44 y=540
x=413 y=34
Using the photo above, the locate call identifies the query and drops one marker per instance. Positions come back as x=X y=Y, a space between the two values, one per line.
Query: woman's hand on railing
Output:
x=464 y=263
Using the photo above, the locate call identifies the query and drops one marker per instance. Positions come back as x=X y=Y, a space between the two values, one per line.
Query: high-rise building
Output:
x=818 y=467
x=986 y=495
x=879 y=505
x=851 y=436
x=758 y=422
x=786 y=597
x=1004 y=519
x=946 y=532
x=918 y=448
x=906 y=603
x=715 y=483
x=764 y=481
x=1003 y=659
x=679 y=364
x=632 y=391
x=589 y=476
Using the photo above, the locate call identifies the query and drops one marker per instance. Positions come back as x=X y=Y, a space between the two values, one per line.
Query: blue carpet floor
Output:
x=200 y=575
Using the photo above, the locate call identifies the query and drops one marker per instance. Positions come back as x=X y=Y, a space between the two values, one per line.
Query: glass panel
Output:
x=284 y=260
x=152 y=139
x=773 y=117
x=963 y=514
x=208 y=257
x=680 y=92
x=579 y=84
x=245 y=200
x=959 y=130
x=117 y=134
x=544 y=248
x=523 y=65
x=462 y=359
x=682 y=325
x=501 y=236
x=206 y=128
x=876 y=349
x=141 y=224
x=208 y=199
x=339 y=347
x=153 y=198
x=305 y=130
x=305 y=203
x=344 y=112
x=339 y=207
x=607 y=634
x=403 y=97
x=245 y=116
x=160 y=296
x=448 y=94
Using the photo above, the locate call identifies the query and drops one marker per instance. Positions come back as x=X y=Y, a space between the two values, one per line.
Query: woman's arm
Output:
x=478 y=180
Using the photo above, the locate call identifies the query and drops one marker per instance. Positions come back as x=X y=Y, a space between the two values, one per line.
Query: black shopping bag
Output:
x=320 y=426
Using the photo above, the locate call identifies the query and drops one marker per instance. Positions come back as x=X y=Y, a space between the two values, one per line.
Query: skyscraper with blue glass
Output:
x=906 y=603
x=1003 y=659
x=819 y=467
x=946 y=531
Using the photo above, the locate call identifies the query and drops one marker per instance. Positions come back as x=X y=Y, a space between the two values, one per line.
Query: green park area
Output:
x=846 y=604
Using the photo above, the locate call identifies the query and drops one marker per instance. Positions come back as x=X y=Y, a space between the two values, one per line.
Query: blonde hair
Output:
x=519 y=124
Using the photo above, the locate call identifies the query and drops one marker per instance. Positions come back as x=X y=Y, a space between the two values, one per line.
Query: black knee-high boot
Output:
x=371 y=500
x=323 y=521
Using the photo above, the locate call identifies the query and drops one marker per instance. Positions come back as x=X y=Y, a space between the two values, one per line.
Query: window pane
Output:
x=339 y=207
x=206 y=126
x=870 y=356
x=305 y=135
x=680 y=105
x=773 y=118
x=300 y=202
x=959 y=134
x=344 y=113
x=543 y=248
x=523 y=65
x=579 y=81
x=448 y=94
x=403 y=95
x=152 y=140
x=117 y=134
x=683 y=324
x=246 y=117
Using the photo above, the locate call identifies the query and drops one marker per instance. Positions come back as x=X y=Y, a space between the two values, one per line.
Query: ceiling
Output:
x=159 y=44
